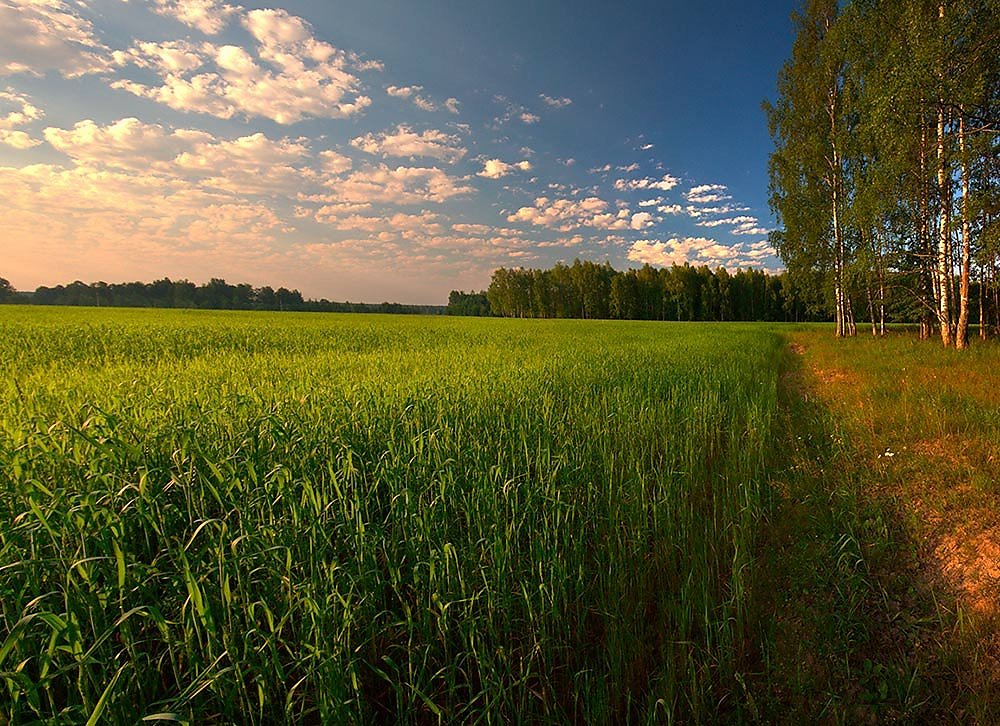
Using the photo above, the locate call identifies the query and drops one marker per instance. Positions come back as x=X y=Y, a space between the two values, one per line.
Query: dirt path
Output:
x=909 y=469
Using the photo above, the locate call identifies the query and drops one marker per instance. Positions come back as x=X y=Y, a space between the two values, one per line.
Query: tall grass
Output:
x=266 y=517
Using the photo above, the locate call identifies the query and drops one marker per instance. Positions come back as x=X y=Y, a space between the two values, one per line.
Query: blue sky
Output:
x=381 y=150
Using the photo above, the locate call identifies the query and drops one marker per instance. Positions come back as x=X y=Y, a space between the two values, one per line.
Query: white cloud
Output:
x=555 y=102
x=22 y=112
x=742 y=224
x=398 y=225
x=495 y=168
x=678 y=251
x=403 y=91
x=208 y=16
x=18 y=139
x=565 y=215
x=291 y=76
x=529 y=118
x=334 y=162
x=422 y=102
x=405 y=142
x=665 y=184
x=43 y=35
x=641 y=220
x=749 y=228
x=707 y=194
x=402 y=185
x=252 y=164
x=175 y=56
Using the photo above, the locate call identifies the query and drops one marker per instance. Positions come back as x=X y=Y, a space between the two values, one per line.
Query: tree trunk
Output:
x=943 y=257
x=838 y=277
x=982 y=302
x=962 y=329
x=924 y=230
x=871 y=311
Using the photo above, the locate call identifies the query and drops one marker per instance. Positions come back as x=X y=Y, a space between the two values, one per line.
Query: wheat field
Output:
x=264 y=517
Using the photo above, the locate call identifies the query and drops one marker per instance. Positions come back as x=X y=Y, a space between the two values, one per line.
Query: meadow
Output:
x=263 y=517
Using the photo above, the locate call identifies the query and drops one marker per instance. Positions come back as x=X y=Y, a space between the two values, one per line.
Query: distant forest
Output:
x=216 y=294
x=589 y=290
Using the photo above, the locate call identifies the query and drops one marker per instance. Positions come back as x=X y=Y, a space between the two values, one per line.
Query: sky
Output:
x=372 y=150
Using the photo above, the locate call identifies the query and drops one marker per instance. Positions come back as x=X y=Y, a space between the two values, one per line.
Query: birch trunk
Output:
x=962 y=330
x=924 y=231
x=982 y=302
x=943 y=256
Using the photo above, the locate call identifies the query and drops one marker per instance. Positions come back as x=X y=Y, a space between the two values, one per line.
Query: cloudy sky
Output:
x=381 y=149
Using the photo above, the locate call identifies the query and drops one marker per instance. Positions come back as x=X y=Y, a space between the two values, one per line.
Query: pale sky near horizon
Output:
x=373 y=150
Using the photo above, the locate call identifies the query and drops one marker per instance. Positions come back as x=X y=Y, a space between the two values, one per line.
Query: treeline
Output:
x=589 y=290
x=216 y=294
x=886 y=163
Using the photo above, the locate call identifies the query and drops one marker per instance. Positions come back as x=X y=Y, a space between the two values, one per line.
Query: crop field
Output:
x=215 y=517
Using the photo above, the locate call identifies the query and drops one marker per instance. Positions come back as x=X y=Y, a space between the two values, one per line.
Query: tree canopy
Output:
x=884 y=174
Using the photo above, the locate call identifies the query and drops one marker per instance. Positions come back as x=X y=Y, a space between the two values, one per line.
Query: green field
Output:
x=216 y=517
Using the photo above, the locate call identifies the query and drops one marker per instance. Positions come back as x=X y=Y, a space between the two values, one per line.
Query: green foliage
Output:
x=475 y=304
x=680 y=292
x=856 y=129
x=232 y=517
x=216 y=294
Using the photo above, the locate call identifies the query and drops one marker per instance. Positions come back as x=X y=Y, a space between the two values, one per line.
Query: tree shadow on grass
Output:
x=851 y=628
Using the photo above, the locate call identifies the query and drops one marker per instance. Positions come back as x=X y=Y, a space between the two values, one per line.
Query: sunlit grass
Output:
x=262 y=517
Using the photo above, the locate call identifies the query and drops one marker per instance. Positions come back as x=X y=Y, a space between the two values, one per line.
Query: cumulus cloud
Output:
x=399 y=225
x=402 y=91
x=43 y=35
x=401 y=185
x=412 y=93
x=555 y=102
x=405 y=142
x=707 y=194
x=208 y=16
x=677 y=251
x=742 y=224
x=20 y=111
x=334 y=162
x=290 y=76
x=253 y=164
x=495 y=168
x=700 y=251
x=565 y=215
x=666 y=183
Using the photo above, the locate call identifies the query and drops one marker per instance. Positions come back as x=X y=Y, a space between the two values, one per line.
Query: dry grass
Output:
x=924 y=434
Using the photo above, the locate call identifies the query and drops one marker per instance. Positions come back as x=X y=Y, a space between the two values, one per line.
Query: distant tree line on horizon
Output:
x=216 y=294
x=681 y=292
x=886 y=170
